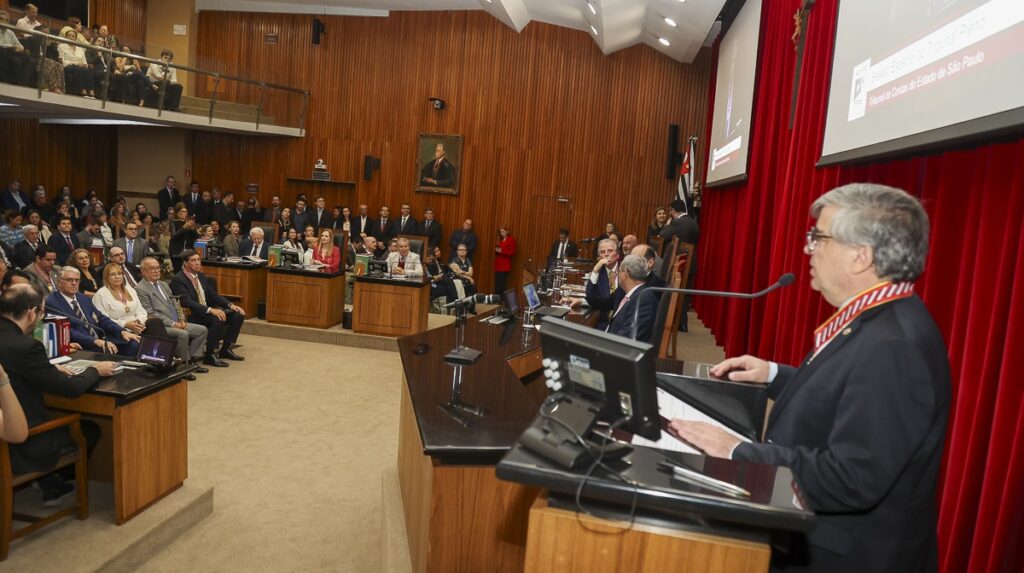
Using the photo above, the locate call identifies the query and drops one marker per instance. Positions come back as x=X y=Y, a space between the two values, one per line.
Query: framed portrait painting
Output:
x=438 y=163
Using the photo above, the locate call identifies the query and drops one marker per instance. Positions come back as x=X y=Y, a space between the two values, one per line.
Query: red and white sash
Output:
x=874 y=296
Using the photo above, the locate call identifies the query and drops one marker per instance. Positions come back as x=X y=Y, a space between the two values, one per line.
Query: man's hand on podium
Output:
x=744 y=368
x=713 y=441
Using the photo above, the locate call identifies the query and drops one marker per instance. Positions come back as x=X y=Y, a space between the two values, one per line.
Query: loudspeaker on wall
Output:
x=370 y=164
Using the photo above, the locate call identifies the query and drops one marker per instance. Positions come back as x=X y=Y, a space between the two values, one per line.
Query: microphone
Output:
x=480 y=298
x=785 y=280
x=94 y=329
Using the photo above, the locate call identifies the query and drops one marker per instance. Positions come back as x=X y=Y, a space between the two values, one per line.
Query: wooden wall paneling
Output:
x=542 y=112
x=126 y=19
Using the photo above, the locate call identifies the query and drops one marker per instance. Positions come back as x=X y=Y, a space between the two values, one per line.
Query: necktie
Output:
x=401 y=263
x=404 y=219
x=70 y=244
x=254 y=247
x=130 y=247
x=128 y=277
x=426 y=225
x=561 y=250
x=199 y=289
x=81 y=315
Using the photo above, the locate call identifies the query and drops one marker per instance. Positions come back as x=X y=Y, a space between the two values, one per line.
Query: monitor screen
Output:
x=156 y=351
x=614 y=372
x=530 y=291
x=510 y=301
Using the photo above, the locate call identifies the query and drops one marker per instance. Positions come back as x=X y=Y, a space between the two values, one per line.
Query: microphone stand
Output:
x=784 y=280
x=94 y=329
x=455 y=407
x=461 y=355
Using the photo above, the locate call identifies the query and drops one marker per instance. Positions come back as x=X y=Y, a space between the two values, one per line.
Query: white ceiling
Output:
x=613 y=24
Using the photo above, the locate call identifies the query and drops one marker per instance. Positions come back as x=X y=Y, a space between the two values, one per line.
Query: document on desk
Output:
x=670 y=408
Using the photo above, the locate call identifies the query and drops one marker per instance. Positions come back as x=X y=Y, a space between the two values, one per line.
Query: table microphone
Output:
x=480 y=298
x=785 y=280
x=95 y=329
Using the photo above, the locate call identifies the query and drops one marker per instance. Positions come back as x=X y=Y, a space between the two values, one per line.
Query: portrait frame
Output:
x=426 y=146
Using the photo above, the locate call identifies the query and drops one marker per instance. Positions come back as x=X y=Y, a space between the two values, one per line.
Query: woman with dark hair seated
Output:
x=80 y=259
x=128 y=80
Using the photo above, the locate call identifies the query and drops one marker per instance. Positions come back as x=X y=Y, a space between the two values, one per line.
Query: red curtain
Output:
x=753 y=232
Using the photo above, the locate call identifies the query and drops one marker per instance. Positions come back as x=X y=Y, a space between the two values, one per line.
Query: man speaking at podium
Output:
x=861 y=421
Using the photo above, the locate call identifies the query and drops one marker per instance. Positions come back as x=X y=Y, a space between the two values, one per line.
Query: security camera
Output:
x=438 y=103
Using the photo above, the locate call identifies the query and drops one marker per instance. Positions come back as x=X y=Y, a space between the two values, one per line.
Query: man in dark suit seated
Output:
x=862 y=420
x=651 y=260
x=603 y=284
x=13 y=199
x=25 y=251
x=562 y=249
x=254 y=246
x=223 y=320
x=31 y=375
x=632 y=274
x=90 y=328
x=430 y=228
x=64 y=241
x=132 y=273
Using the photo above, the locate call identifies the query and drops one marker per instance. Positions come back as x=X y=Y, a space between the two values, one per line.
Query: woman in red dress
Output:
x=327 y=252
x=503 y=253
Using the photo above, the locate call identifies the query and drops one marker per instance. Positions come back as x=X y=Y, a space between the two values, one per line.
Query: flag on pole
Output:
x=686 y=177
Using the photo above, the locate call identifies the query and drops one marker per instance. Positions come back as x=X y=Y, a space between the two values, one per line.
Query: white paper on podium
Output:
x=671 y=408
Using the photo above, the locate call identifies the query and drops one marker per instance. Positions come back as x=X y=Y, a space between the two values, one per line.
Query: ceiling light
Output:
x=664 y=42
x=593 y=29
x=592 y=9
x=670 y=21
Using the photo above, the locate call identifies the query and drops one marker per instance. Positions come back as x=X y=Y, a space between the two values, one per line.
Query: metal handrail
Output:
x=112 y=53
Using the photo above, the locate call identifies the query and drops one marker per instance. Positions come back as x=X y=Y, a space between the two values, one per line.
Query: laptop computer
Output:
x=509 y=308
x=156 y=352
x=533 y=303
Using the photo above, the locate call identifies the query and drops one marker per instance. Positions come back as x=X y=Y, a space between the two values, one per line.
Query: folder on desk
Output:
x=739 y=406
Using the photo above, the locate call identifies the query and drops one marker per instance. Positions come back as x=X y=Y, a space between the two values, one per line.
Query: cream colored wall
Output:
x=147 y=155
x=160 y=20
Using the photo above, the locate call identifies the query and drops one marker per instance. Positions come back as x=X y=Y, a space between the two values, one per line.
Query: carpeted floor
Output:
x=294 y=440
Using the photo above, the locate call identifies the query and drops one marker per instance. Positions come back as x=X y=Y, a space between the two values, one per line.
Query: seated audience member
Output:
x=15 y=277
x=118 y=218
x=392 y=247
x=254 y=246
x=40 y=204
x=132 y=274
x=90 y=236
x=128 y=80
x=355 y=247
x=64 y=241
x=632 y=274
x=440 y=284
x=503 y=253
x=326 y=252
x=653 y=262
x=77 y=74
x=562 y=249
x=603 y=283
x=404 y=262
x=216 y=232
x=609 y=230
x=135 y=248
x=81 y=260
x=628 y=242
x=44 y=270
x=370 y=247
x=106 y=233
x=119 y=301
x=292 y=241
x=464 y=236
x=13 y=199
x=460 y=267
x=156 y=298
x=657 y=226
x=37 y=221
x=232 y=241
x=100 y=65
x=222 y=319
x=25 y=251
x=91 y=329
x=15 y=63
x=31 y=376
x=156 y=73
x=430 y=228
x=13 y=426
x=11 y=233
x=4 y=267
x=47 y=59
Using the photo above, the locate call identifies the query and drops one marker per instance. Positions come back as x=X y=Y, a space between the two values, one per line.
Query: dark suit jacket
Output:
x=622 y=321
x=444 y=176
x=24 y=359
x=300 y=220
x=411 y=227
x=602 y=298
x=58 y=245
x=686 y=229
x=571 y=250
x=203 y=212
x=79 y=333
x=167 y=199
x=433 y=232
x=24 y=254
x=224 y=215
x=182 y=286
x=383 y=231
x=358 y=228
x=460 y=236
x=245 y=248
x=190 y=204
x=862 y=426
x=323 y=221
x=9 y=204
x=181 y=238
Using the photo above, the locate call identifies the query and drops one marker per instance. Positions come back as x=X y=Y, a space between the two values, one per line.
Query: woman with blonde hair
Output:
x=327 y=252
x=119 y=301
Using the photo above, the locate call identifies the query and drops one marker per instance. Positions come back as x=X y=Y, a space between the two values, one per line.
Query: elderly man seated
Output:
x=403 y=262
x=90 y=328
x=254 y=246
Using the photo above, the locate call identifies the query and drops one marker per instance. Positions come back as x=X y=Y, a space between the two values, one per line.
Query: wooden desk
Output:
x=305 y=298
x=390 y=307
x=144 y=448
x=244 y=285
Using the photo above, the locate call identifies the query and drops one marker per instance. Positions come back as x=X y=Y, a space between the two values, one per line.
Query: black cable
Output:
x=598 y=462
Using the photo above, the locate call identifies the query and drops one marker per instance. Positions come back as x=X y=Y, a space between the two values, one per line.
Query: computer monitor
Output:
x=510 y=303
x=157 y=352
x=378 y=268
x=290 y=257
x=616 y=374
x=532 y=299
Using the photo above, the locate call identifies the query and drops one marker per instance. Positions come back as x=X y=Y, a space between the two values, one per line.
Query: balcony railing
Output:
x=120 y=77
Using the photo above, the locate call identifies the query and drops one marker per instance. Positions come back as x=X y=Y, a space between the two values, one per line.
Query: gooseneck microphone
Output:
x=93 y=328
x=480 y=298
x=785 y=280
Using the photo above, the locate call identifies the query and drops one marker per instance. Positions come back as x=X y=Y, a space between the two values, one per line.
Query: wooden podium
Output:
x=564 y=541
x=390 y=307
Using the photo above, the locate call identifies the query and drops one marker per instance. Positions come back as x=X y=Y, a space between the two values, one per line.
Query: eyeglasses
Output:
x=814 y=236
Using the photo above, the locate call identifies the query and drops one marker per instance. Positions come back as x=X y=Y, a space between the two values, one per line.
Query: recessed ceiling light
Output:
x=592 y=9
x=593 y=29
x=664 y=42
x=670 y=21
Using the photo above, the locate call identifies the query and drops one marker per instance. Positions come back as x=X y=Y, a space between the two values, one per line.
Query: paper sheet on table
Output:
x=671 y=407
